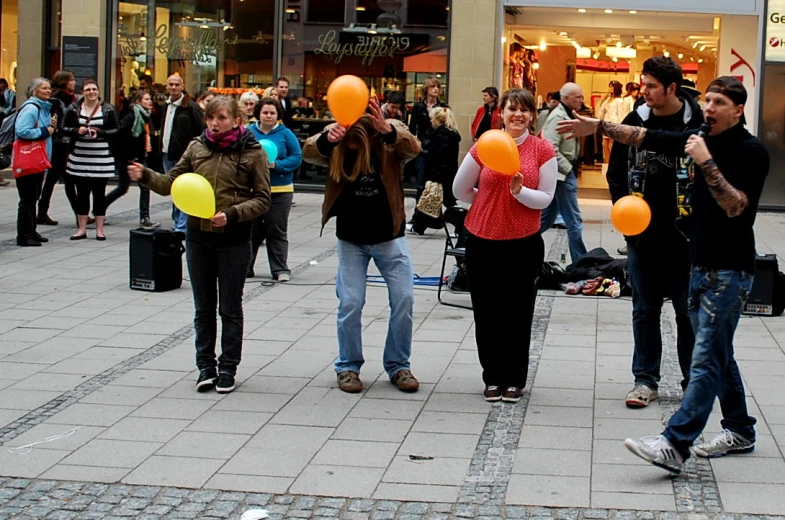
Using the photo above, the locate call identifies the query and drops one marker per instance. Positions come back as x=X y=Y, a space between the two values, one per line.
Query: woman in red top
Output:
x=504 y=239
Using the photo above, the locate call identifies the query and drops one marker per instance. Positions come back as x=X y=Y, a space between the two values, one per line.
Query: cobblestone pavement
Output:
x=556 y=454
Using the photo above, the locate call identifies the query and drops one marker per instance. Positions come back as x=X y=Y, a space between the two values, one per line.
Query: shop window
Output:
x=326 y=11
x=367 y=12
x=8 y=41
x=223 y=45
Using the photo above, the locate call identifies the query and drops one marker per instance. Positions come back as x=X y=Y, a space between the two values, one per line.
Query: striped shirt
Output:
x=91 y=157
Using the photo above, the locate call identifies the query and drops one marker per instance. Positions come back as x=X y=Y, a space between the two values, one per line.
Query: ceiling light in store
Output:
x=142 y=37
x=596 y=55
x=581 y=10
x=618 y=44
x=703 y=47
x=504 y=39
x=359 y=8
x=700 y=60
x=543 y=46
x=615 y=59
x=666 y=54
x=694 y=45
x=633 y=12
x=681 y=55
x=535 y=65
x=609 y=11
x=562 y=33
x=291 y=11
x=692 y=59
x=624 y=52
x=204 y=26
x=584 y=52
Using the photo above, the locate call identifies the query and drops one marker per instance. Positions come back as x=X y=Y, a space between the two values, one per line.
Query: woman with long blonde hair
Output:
x=364 y=191
x=441 y=164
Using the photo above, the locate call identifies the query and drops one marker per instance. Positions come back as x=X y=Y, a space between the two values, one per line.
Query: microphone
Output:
x=703 y=132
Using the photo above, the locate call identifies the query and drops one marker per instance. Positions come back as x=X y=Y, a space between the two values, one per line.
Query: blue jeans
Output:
x=178 y=216
x=395 y=265
x=715 y=303
x=211 y=261
x=565 y=201
x=659 y=267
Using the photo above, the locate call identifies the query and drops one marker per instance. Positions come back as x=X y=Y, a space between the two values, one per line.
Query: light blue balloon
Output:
x=270 y=149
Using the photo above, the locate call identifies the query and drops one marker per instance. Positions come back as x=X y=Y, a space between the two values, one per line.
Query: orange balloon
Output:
x=631 y=215
x=347 y=98
x=497 y=151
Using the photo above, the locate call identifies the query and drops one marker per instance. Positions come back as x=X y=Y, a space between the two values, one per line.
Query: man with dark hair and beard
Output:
x=658 y=259
x=730 y=169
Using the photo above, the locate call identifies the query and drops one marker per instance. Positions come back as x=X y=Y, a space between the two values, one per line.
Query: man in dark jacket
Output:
x=182 y=121
x=282 y=86
x=658 y=259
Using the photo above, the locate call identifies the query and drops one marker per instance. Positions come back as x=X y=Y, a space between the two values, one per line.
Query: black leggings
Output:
x=84 y=187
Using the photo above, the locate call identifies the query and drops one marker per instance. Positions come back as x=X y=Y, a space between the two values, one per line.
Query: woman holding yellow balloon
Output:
x=508 y=177
x=218 y=238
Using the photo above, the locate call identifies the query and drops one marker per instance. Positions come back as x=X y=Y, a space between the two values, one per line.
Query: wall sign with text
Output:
x=80 y=56
x=775 y=31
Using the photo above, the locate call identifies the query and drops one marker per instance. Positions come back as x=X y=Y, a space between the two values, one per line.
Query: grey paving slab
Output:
x=439 y=471
x=204 y=445
x=117 y=454
x=356 y=453
x=268 y=462
x=66 y=437
x=634 y=501
x=338 y=481
x=86 y=473
x=447 y=422
x=29 y=464
x=531 y=461
x=161 y=407
x=173 y=471
x=556 y=437
x=449 y=445
x=91 y=414
x=549 y=491
x=145 y=429
x=415 y=492
x=379 y=430
x=559 y=416
x=249 y=483
x=223 y=421
x=755 y=499
x=381 y=409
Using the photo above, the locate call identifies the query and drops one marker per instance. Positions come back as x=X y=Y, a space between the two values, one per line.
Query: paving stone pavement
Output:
x=80 y=353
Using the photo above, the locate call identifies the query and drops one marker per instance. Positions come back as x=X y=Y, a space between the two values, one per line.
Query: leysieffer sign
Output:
x=197 y=48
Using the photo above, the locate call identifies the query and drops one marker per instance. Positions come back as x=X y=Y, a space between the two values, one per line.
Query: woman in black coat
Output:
x=441 y=163
x=139 y=133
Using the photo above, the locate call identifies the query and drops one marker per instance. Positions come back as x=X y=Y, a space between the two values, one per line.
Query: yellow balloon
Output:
x=193 y=195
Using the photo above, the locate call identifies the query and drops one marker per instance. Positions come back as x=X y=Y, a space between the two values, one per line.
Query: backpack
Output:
x=8 y=132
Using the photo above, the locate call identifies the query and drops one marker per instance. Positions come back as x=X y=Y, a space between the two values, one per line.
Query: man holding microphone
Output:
x=730 y=167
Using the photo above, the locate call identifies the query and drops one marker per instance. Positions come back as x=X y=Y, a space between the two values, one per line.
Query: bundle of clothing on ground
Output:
x=595 y=274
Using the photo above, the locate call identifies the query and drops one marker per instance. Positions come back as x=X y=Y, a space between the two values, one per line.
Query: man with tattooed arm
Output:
x=730 y=167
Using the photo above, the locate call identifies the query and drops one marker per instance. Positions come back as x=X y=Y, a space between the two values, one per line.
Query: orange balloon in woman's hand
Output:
x=347 y=98
x=497 y=151
x=631 y=215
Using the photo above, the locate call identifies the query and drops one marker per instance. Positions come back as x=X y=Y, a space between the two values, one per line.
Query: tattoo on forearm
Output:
x=733 y=201
x=625 y=134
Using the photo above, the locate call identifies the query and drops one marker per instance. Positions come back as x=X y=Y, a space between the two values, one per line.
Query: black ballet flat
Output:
x=100 y=238
x=78 y=237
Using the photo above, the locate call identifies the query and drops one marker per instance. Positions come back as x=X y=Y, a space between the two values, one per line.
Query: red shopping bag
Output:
x=29 y=157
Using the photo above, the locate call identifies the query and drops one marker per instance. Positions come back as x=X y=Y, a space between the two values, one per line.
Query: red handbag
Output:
x=30 y=157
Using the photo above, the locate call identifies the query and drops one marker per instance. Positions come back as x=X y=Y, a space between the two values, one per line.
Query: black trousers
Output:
x=502 y=277
x=273 y=228
x=59 y=156
x=95 y=186
x=29 y=189
x=123 y=183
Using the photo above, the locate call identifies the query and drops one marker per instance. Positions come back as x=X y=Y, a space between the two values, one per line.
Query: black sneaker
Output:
x=225 y=383
x=206 y=381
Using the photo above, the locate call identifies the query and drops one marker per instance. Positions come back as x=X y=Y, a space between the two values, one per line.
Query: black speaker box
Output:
x=156 y=260
x=761 y=299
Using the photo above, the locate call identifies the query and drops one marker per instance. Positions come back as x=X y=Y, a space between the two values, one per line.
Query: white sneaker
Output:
x=657 y=450
x=283 y=278
x=641 y=396
x=726 y=443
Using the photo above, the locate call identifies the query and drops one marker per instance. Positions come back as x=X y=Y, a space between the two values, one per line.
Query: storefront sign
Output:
x=775 y=31
x=80 y=56
x=368 y=46
x=198 y=49
x=738 y=54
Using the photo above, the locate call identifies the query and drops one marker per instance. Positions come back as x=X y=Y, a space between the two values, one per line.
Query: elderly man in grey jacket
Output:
x=567 y=151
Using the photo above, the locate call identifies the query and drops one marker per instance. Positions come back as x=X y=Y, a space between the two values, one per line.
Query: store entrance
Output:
x=544 y=48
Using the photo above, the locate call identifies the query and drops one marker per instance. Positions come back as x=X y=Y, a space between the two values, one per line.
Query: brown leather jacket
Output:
x=239 y=176
x=394 y=156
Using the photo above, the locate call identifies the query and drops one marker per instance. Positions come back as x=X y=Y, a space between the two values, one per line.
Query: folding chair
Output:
x=455 y=216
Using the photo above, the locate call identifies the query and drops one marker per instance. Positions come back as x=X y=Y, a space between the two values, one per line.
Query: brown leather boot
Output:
x=44 y=220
